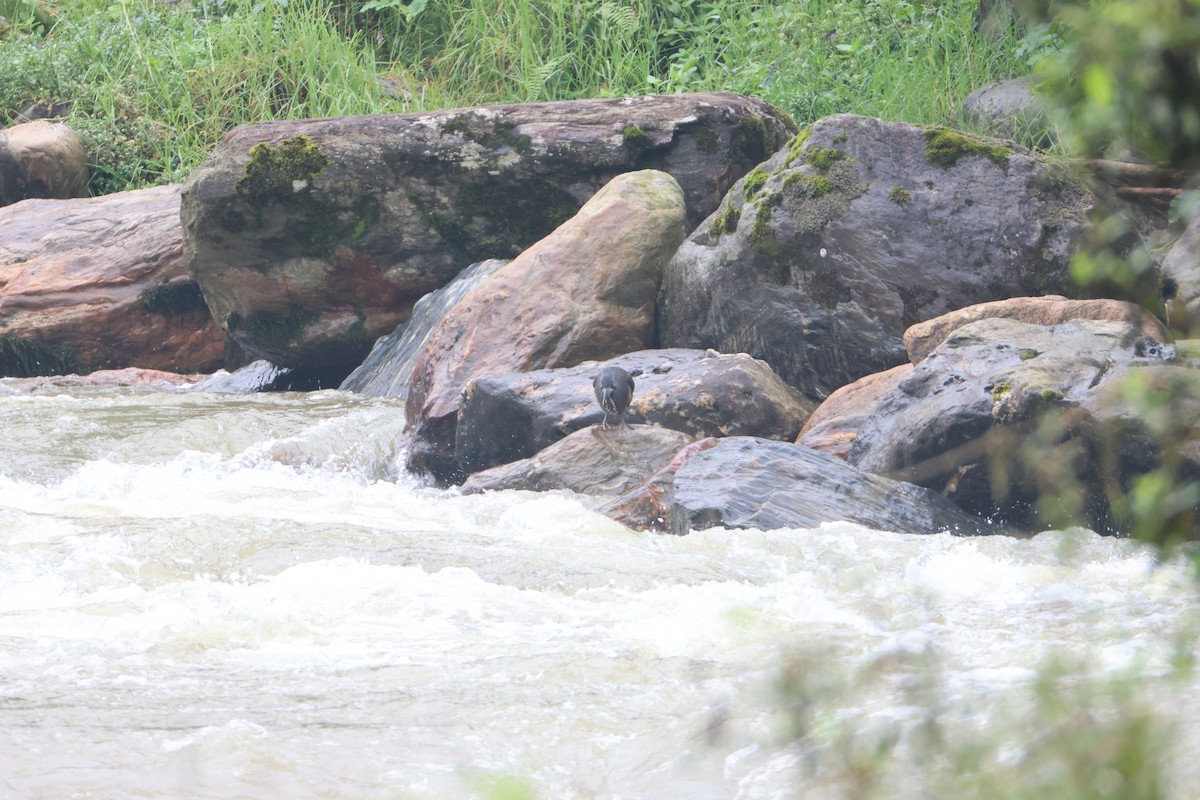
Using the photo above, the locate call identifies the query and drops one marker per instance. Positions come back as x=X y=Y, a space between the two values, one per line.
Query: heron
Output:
x=614 y=390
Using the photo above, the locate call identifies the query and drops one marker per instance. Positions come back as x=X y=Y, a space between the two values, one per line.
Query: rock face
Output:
x=834 y=426
x=1182 y=267
x=585 y=292
x=509 y=417
x=41 y=160
x=130 y=377
x=388 y=368
x=1001 y=413
x=647 y=506
x=743 y=482
x=589 y=461
x=100 y=284
x=313 y=238
x=819 y=259
x=921 y=339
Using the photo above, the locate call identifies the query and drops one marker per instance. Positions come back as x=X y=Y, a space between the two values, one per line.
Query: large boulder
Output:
x=1004 y=414
x=41 y=160
x=100 y=284
x=819 y=259
x=1182 y=268
x=313 y=238
x=591 y=461
x=388 y=367
x=834 y=426
x=1009 y=109
x=585 y=292
x=921 y=339
x=508 y=417
x=743 y=482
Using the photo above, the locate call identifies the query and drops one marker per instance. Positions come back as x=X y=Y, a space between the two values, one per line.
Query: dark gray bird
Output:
x=614 y=390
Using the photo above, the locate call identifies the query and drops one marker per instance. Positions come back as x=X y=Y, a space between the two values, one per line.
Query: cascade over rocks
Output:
x=590 y=461
x=100 y=284
x=388 y=368
x=310 y=239
x=585 y=292
x=41 y=160
x=1005 y=411
x=513 y=416
x=744 y=482
x=819 y=258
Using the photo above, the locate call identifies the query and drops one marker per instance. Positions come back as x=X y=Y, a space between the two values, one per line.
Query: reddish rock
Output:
x=921 y=339
x=128 y=378
x=41 y=159
x=647 y=507
x=100 y=284
x=833 y=427
x=585 y=292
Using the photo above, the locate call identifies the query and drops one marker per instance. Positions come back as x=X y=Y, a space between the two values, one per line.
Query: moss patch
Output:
x=796 y=145
x=1029 y=354
x=725 y=222
x=754 y=181
x=944 y=148
x=1000 y=389
x=762 y=236
x=900 y=196
x=636 y=138
x=283 y=170
x=823 y=158
x=22 y=358
x=173 y=299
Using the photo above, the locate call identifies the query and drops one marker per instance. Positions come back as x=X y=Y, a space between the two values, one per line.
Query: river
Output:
x=243 y=596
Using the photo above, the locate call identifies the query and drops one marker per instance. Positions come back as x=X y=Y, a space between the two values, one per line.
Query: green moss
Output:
x=840 y=139
x=23 y=358
x=796 y=145
x=1029 y=354
x=283 y=170
x=273 y=330
x=900 y=196
x=707 y=138
x=521 y=214
x=944 y=148
x=636 y=138
x=172 y=299
x=1001 y=389
x=748 y=144
x=762 y=236
x=823 y=158
x=754 y=181
x=1050 y=396
x=487 y=133
x=317 y=227
x=788 y=120
x=930 y=185
x=817 y=199
x=725 y=222
x=801 y=184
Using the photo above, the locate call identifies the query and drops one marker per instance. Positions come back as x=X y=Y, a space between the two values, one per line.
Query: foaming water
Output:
x=205 y=595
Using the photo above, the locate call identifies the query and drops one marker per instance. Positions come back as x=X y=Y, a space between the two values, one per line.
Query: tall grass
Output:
x=153 y=86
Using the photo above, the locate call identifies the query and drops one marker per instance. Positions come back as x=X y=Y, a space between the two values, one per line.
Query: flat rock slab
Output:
x=591 y=461
x=744 y=482
x=507 y=417
x=312 y=238
x=100 y=284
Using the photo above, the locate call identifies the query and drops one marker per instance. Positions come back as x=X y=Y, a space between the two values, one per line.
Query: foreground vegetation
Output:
x=153 y=85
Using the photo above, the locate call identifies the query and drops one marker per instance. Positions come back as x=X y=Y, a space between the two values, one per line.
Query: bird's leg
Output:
x=604 y=422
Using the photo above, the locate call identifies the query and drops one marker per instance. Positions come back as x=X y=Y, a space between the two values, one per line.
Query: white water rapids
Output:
x=225 y=596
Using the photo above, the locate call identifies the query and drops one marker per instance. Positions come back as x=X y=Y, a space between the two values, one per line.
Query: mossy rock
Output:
x=282 y=170
x=944 y=148
x=23 y=358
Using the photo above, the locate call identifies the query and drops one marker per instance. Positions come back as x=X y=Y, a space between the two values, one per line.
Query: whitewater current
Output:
x=218 y=596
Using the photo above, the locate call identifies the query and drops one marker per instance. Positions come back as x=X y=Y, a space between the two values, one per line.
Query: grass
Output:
x=153 y=85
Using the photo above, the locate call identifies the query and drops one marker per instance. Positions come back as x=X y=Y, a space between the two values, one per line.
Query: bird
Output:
x=614 y=390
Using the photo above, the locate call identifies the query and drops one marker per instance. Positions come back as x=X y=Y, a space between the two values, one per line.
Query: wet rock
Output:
x=584 y=292
x=647 y=506
x=833 y=427
x=100 y=284
x=1001 y=416
x=313 y=238
x=41 y=160
x=743 y=482
x=589 y=461
x=388 y=368
x=1009 y=109
x=922 y=338
x=507 y=417
x=819 y=259
x=128 y=378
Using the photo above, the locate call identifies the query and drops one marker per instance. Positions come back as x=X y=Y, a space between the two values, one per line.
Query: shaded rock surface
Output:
x=743 y=482
x=388 y=368
x=41 y=160
x=1000 y=414
x=589 y=461
x=100 y=284
x=819 y=259
x=313 y=238
x=921 y=339
x=833 y=427
x=585 y=292
x=1182 y=267
x=507 y=417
